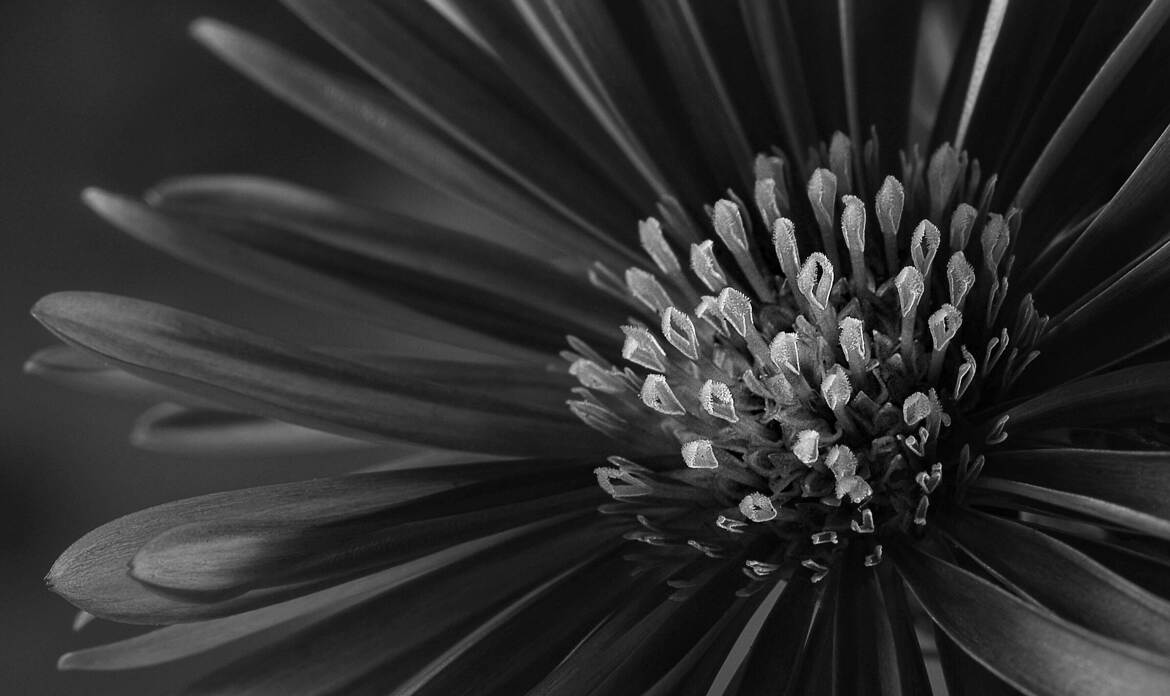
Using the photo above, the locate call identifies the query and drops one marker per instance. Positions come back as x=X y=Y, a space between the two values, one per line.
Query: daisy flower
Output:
x=822 y=343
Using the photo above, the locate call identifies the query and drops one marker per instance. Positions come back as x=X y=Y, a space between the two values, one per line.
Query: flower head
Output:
x=757 y=391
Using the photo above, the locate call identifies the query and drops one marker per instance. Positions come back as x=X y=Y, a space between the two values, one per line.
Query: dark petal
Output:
x=225 y=554
x=1107 y=80
x=1081 y=504
x=389 y=635
x=1141 y=392
x=92 y=573
x=714 y=120
x=381 y=124
x=1065 y=581
x=1032 y=649
x=379 y=270
x=461 y=105
x=213 y=433
x=772 y=36
x=900 y=661
x=547 y=629
x=78 y=369
x=964 y=675
x=185 y=640
x=1135 y=479
x=259 y=375
x=641 y=646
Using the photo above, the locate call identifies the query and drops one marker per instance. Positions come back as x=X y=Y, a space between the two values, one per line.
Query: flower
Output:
x=859 y=387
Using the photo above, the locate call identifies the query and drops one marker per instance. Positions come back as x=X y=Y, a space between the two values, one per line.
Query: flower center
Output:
x=818 y=402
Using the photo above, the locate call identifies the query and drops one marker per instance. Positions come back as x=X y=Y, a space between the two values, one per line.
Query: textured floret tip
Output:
x=819 y=390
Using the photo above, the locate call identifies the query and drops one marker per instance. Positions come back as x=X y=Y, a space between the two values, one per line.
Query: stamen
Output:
x=708 y=311
x=717 y=401
x=841 y=161
x=855 y=345
x=866 y=524
x=700 y=455
x=910 y=287
x=924 y=244
x=680 y=332
x=787 y=251
x=941 y=177
x=598 y=417
x=728 y=223
x=805 y=447
x=729 y=525
x=962 y=223
x=835 y=389
x=655 y=246
x=785 y=351
x=658 y=395
x=874 y=558
x=631 y=487
x=641 y=348
x=706 y=266
x=816 y=283
x=822 y=194
x=853 y=229
x=960 y=278
x=915 y=408
x=966 y=373
x=594 y=376
x=767 y=201
x=888 y=203
x=920 y=511
x=757 y=507
x=736 y=308
x=944 y=324
x=647 y=289
x=825 y=537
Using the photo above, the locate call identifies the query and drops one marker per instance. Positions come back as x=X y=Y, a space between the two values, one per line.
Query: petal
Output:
x=184 y=640
x=1029 y=648
x=83 y=371
x=175 y=429
x=92 y=573
x=259 y=375
x=1065 y=581
x=380 y=124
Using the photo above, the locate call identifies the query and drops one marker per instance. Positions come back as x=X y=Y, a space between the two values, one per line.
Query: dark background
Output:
x=115 y=94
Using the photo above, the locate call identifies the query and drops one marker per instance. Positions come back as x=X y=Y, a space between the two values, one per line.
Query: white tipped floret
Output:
x=941 y=176
x=655 y=245
x=857 y=488
x=736 y=308
x=717 y=401
x=841 y=160
x=787 y=251
x=596 y=377
x=679 y=331
x=767 y=202
x=944 y=324
x=826 y=537
x=888 y=204
x=647 y=289
x=853 y=223
x=865 y=526
x=805 y=446
x=728 y=224
x=841 y=461
x=699 y=454
x=960 y=278
x=816 y=280
x=641 y=348
x=706 y=266
x=835 y=388
x=658 y=395
x=785 y=351
x=822 y=194
x=962 y=222
x=853 y=341
x=924 y=244
x=994 y=240
x=910 y=286
x=708 y=311
x=757 y=507
x=915 y=408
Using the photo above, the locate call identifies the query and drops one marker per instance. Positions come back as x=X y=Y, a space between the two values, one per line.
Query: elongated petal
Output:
x=1066 y=581
x=78 y=369
x=259 y=375
x=1083 y=504
x=1139 y=392
x=378 y=123
x=1027 y=647
x=205 y=432
x=184 y=640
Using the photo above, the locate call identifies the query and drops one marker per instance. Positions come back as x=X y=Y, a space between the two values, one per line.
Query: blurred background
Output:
x=116 y=95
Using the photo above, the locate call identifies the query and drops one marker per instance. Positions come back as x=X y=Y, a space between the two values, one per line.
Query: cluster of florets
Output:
x=810 y=406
